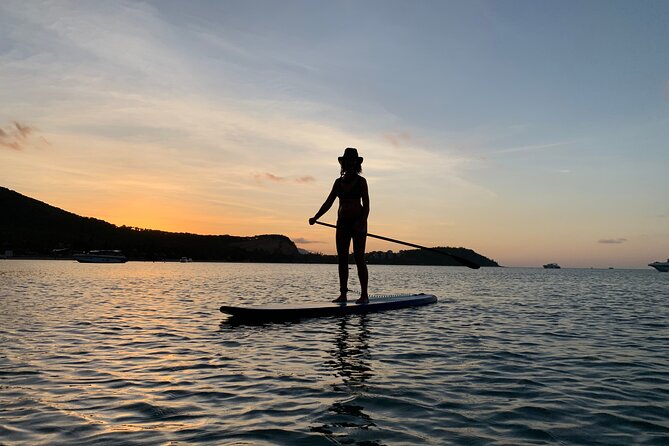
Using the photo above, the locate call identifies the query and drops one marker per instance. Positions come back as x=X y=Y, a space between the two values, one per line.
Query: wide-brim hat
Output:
x=350 y=152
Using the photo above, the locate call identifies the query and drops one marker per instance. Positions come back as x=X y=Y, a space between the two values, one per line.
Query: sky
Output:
x=531 y=132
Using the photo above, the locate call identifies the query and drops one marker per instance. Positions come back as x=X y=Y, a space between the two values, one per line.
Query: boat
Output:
x=101 y=256
x=552 y=266
x=281 y=312
x=662 y=267
x=185 y=260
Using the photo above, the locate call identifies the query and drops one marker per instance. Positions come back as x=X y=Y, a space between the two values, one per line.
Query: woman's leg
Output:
x=359 y=242
x=343 y=244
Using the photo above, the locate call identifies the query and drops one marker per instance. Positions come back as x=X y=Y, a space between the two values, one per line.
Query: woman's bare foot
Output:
x=341 y=299
x=362 y=300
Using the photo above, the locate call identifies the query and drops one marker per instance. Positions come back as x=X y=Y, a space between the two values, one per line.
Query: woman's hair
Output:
x=358 y=167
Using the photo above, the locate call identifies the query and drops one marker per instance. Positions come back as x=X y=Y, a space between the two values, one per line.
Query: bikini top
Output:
x=351 y=189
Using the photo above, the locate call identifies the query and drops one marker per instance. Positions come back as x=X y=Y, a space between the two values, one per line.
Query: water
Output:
x=138 y=354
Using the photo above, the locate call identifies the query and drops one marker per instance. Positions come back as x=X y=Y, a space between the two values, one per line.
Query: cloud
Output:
x=267 y=176
x=303 y=241
x=612 y=241
x=270 y=177
x=532 y=148
x=17 y=136
x=397 y=140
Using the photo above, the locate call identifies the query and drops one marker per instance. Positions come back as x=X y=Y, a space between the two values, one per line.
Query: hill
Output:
x=32 y=228
x=423 y=257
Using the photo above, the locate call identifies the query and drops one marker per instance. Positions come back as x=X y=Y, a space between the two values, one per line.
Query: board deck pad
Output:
x=324 y=309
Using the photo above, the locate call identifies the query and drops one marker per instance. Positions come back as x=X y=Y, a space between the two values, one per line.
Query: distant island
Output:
x=30 y=228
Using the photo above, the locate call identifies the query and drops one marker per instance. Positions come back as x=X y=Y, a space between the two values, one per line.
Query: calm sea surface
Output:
x=139 y=354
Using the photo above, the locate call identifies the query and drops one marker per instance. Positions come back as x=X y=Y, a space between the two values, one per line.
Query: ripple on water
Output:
x=138 y=354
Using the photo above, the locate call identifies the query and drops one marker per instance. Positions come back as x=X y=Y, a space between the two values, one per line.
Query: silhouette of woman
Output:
x=351 y=189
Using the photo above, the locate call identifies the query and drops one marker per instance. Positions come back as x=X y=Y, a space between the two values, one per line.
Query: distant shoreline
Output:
x=287 y=262
x=600 y=268
x=39 y=231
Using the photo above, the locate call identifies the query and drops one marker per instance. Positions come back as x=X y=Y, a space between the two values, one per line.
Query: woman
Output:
x=351 y=189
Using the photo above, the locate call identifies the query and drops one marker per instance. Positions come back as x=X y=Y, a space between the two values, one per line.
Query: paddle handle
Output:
x=466 y=262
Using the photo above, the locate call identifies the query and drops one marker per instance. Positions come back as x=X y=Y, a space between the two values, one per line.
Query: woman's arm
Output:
x=327 y=205
x=365 y=198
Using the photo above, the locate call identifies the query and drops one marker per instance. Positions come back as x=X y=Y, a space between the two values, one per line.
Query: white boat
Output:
x=101 y=256
x=185 y=260
x=663 y=267
x=552 y=266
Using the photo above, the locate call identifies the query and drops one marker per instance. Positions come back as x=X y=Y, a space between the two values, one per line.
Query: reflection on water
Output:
x=350 y=359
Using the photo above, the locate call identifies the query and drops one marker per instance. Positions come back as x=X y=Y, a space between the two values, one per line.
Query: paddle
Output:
x=465 y=262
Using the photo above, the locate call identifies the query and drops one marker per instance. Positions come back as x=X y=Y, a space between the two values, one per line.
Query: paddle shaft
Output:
x=466 y=262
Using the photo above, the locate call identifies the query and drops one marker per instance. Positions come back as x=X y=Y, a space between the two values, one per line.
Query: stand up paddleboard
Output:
x=324 y=309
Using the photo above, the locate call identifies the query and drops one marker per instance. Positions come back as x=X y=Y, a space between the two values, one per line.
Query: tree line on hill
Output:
x=31 y=228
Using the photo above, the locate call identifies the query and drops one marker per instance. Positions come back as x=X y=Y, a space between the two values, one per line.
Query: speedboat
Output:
x=101 y=256
x=662 y=267
x=552 y=266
